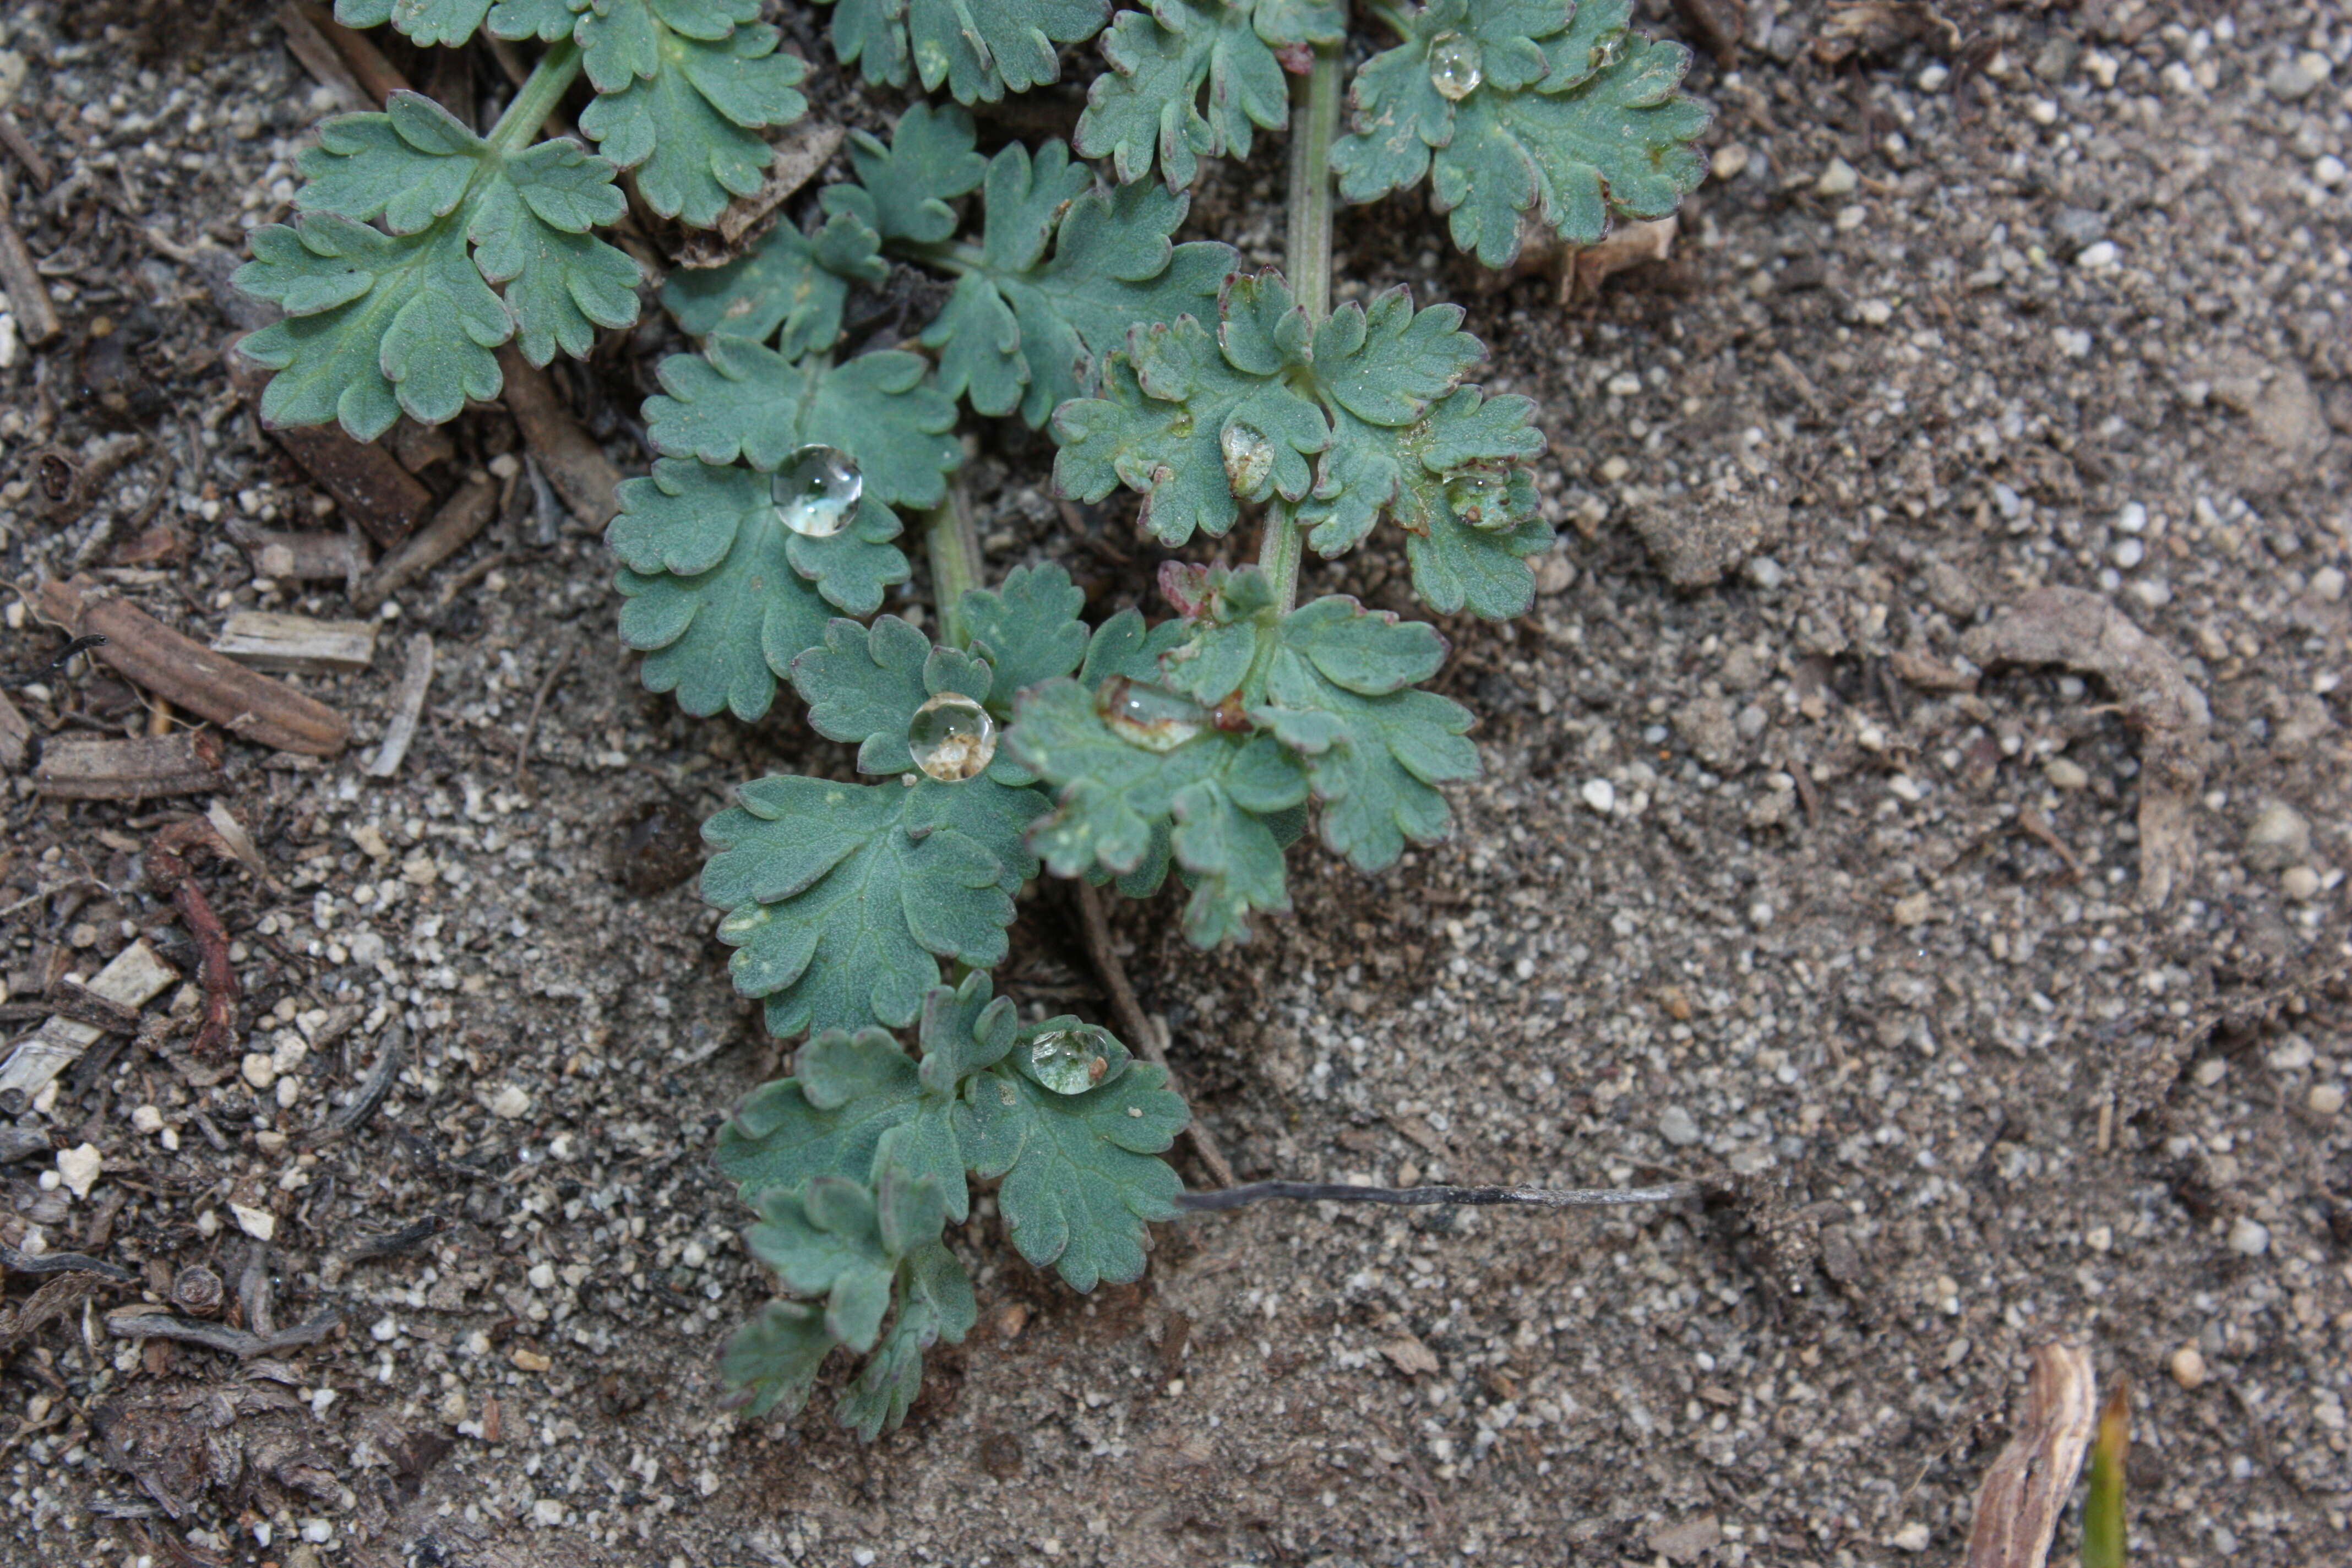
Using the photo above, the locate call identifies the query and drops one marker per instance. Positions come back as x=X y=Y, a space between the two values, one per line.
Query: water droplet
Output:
x=952 y=737
x=1148 y=716
x=1607 y=52
x=1249 y=457
x=1072 y=1060
x=1481 y=499
x=817 y=490
x=1456 y=65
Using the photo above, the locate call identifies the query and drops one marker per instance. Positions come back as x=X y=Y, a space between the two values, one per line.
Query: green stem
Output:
x=542 y=90
x=1314 y=127
x=953 y=546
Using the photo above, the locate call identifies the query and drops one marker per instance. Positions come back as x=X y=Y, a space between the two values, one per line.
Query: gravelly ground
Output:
x=1763 y=880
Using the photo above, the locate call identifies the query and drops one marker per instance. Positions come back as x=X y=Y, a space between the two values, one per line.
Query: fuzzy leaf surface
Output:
x=427 y=22
x=1200 y=422
x=739 y=399
x=1117 y=804
x=775 y=1357
x=827 y=1122
x=981 y=48
x=844 y=898
x=1574 y=118
x=935 y=1302
x=827 y=1240
x=1028 y=629
x=1194 y=78
x=789 y=291
x=863 y=685
x=1080 y=1174
x=904 y=186
x=721 y=595
x=684 y=88
x=1063 y=272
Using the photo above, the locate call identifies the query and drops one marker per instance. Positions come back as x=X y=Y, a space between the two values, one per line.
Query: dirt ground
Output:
x=1777 y=874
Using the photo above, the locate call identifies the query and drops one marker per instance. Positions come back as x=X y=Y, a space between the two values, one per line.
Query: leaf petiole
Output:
x=1314 y=129
x=954 y=548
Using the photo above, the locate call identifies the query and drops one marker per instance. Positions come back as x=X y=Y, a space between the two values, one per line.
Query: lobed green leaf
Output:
x=863 y=686
x=1194 y=78
x=1573 y=119
x=789 y=290
x=721 y=595
x=980 y=49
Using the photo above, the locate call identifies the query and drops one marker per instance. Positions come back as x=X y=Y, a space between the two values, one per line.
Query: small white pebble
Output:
x=2188 y=1367
x=147 y=1120
x=2325 y=1099
x=78 y=1168
x=2299 y=883
x=318 y=1532
x=2098 y=256
x=258 y=1224
x=384 y=1331
x=2064 y=774
x=543 y=1276
x=547 y=1512
x=1838 y=180
x=2250 y=1236
x=1913 y=1537
x=510 y=1103
x=1600 y=795
x=259 y=1070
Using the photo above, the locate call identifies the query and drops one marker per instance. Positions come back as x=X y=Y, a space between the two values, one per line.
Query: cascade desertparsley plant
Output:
x=760 y=546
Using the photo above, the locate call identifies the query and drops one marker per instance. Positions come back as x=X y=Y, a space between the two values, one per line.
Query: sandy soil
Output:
x=1777 y=874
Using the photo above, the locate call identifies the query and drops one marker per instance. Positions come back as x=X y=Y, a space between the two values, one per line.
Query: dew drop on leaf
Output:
x=1480 y=500
x=1607 y=52
x=1249 y=456
x=952 y=737
x=1068 y=1061
x=1456 y=67
x=817 y=490
x=1148 y=716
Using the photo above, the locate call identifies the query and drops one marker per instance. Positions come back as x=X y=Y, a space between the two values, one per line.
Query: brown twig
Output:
x=170 y=876
x=217 y=1336
x=152 y=656
x=408 y=709
x=538 y=701
x=1094 y=926
x=11 y=136
x=577 y=466
x=462 y=516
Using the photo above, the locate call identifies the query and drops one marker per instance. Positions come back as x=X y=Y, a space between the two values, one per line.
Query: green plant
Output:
x=1018 y=737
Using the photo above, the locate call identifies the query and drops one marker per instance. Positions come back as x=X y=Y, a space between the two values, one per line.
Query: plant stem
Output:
x=536 y=99
x=1314 y=127
x=954 y=548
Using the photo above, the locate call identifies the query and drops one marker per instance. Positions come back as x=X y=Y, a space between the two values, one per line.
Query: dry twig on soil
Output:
x=2022 y=1496
x=81 y=768
x=464 y=514
x=408 y=709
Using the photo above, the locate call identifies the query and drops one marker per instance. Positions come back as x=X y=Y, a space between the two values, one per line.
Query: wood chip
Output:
x=190 y=675
x=575 y=465
x=307 y=44
x=265 y=640
x=2020 y=1502
x=1411 y=1356
x=366 y=480
x=15 y=735
x=464 y=514
x=303 y=557
x=76 y=767
x=28 y=297
x=378 y=78
x=132 y=980
x=408 y=707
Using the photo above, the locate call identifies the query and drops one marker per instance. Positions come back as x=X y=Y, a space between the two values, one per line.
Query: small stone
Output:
x=2327 y=584
x=1729 y=162
x=542 y=1277
x=2096 y=256
x=2129 y=552
x=1598 y=794
x=2277 y=839
x=529 y=1360
x=1676 y=1126
x=1838 y=180
x=1875 y=312
x=547 y=1512
x=258 y=1224
x=1913 y=1537
x=2210 y=1071
x=510 y=1103
x=2250 y=1236
x=2188 y=1367
x=78 y=1168
x=2293 y=1054
x=2325 y=1099
x=1913 y=909
x=2290 y=81
x=2328 y=170
x=147 y=1120
x=259 y=1070
x=2299 y=883
x=2065 y=775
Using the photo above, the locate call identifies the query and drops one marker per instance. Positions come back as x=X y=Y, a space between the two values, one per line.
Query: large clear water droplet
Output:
x=1151 y=717
x=817 y=490
x=952 y=737
x=1456 y=65
x=1607 y=52
x=1480 y=500
x=1072 y=1060
x=1249 y=456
